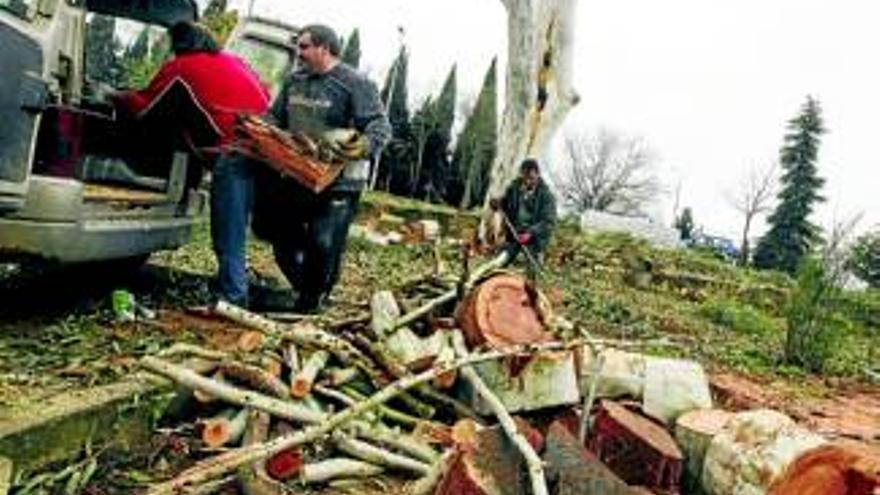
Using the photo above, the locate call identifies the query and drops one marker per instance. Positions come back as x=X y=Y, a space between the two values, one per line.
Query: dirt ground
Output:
x=841 y=410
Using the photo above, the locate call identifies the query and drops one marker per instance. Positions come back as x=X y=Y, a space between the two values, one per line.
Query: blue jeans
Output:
x=232 y=190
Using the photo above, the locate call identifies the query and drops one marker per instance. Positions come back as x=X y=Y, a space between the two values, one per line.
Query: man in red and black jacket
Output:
x=199 y=92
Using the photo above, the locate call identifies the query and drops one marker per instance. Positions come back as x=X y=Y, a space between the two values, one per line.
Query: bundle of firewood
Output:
x=294 y=155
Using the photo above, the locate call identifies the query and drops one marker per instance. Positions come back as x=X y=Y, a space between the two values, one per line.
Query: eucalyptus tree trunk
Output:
x=539 y=90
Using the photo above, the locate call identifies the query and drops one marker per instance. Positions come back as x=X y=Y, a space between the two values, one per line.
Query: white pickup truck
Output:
x=53 y=204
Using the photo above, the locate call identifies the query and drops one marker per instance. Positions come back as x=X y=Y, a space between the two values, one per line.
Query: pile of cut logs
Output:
x=429 y=395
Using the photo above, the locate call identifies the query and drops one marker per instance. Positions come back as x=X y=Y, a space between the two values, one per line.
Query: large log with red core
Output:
x=636 y=449
x=502 y=311
x=573 y=470
x=489 y=464
x=832 y=469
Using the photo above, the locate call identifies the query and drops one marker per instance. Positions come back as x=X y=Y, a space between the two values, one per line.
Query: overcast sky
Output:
x=708 y=85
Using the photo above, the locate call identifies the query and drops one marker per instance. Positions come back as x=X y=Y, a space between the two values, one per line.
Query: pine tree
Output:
x=352 y=52
x=395 y=158
x=476 y=147
x=791 y=235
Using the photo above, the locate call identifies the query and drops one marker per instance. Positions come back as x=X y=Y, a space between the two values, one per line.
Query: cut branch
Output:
x=253 y=479
x=375 y=455
x=534 y=463
x=301 y=384
x=255 y=377
x=302 y=334
x=225 y=428
x=329 y=469
x=408 y=444
x=223 y=463
x=188 y=378
x=450 y=295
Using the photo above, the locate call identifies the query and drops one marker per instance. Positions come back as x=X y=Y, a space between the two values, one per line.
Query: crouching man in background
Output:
x=529 y=211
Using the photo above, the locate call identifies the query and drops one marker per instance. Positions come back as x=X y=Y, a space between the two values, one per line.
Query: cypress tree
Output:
x=476 y=147
x=214 y=7
x=102 y=63
x=351 y=54
x=394 y=163
x=420 y=127
x=430 y=178
x=139 y=48
x=141 y=59
x=791 y=235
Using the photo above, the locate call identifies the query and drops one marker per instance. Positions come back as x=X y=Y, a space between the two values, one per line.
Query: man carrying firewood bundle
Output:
x=328 y=100
x=528 y=209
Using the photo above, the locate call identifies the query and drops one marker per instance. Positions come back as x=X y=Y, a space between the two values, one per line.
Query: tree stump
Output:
x=637 y=449
x=501 y=312
x=833 y=469
x=486 y=462
x=573 y=470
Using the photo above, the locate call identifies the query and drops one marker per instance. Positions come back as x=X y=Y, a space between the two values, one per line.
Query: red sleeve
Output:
x=137 y=101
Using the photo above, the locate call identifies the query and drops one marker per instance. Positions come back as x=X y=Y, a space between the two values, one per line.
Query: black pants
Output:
x=307 y=231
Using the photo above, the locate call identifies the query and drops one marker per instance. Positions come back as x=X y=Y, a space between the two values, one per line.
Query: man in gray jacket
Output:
x=308 y=231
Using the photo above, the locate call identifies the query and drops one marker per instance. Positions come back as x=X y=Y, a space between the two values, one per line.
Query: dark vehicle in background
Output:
x=60 y=200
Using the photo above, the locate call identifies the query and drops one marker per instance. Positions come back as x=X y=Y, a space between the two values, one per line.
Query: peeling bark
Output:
x=539 y=91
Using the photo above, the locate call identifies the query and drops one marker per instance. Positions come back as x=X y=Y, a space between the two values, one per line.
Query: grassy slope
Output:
x=612 y=285
x=723 y=315
x=615 y=285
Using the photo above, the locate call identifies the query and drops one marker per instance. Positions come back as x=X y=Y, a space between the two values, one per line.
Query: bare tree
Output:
x=753 y=197
x=539 y=90
x=606 y=172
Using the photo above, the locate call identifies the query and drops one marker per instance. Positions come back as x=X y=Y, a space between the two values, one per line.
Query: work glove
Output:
x=523 y=238
x=347 y=144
